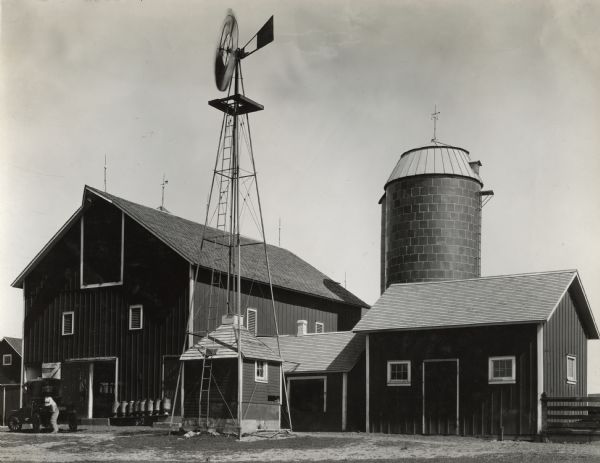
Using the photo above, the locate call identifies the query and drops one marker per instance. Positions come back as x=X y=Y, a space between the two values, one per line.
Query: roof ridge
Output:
x=490 y=277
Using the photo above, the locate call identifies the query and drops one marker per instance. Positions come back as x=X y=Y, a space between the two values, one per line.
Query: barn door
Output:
x=440 y=396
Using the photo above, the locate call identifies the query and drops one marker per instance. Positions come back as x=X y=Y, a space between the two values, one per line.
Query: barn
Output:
x=473 y=356
x=107 y=301
x=10 y=376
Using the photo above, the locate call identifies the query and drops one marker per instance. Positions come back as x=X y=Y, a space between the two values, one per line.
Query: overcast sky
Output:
x=347 y=87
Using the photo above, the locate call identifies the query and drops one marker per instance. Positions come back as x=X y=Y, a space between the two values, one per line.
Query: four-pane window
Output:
x=502 y=370
x=7 y=359
x=398 y=373
x=319 y=327
x=261 y=369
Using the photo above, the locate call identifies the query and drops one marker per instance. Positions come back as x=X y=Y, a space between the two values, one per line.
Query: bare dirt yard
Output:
x=136 y=444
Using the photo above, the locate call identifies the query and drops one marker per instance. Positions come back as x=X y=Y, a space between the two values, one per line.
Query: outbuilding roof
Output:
x=436 y=160
x=508 y=299
x=184 y=237
x=15 y=343
x=320 y=352
x=222 y=343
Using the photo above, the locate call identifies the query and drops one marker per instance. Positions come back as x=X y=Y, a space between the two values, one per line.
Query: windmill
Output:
x=233 y=190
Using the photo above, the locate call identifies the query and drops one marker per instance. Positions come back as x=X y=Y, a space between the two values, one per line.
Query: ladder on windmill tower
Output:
x=225 y=174
x=204 y=394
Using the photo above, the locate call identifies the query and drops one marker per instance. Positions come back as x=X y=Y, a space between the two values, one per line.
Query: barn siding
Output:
x=153 y=276
x=484 y=407
x=210 y=306
x=564 y=335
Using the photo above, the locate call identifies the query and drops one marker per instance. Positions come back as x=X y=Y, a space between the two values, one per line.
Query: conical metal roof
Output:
x=434 y=160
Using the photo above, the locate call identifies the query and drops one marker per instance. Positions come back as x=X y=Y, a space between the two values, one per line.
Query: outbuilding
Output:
x=473 y=357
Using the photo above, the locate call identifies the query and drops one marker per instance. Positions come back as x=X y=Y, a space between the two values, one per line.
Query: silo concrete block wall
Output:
x=432 y=229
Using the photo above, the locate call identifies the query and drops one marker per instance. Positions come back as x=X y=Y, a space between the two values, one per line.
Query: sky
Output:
x=347 y=87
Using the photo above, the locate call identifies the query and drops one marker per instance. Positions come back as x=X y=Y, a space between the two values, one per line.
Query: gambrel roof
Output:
x=499 y=300
x=319 y=352
x=184 y=237
x=222 y=343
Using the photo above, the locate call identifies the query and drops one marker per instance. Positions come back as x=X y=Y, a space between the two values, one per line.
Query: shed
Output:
x=10 y=375
x=474 y=356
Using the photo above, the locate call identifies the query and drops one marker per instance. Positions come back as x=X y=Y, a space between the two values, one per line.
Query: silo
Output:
x=431 y=217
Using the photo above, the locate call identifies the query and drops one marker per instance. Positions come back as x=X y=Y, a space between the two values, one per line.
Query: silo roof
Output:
x=434 y=160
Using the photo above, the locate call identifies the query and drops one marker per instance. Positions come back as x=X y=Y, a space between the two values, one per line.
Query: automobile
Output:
x=36 y=413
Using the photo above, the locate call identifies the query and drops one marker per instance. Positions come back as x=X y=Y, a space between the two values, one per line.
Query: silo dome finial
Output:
x=434 y=117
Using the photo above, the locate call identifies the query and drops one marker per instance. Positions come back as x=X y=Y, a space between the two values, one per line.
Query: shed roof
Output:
x=15 y=343
x=184 y=237
x=320 y=352
x=436 y=160
x=508 y=299
x=223 y=343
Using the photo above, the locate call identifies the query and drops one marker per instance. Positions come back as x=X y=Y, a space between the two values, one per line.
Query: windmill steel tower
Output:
x=431 y=217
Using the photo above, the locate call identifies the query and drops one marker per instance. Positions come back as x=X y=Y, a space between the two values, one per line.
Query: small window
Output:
x=571 y=369
x=7 y=359
x=502 y=370
x=398 y=373
x=68 y=323
x=261 y=370
x=136 y=317
x=251 y=317
x=319 y=327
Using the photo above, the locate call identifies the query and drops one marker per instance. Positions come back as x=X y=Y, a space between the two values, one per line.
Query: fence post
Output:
x=544 y=400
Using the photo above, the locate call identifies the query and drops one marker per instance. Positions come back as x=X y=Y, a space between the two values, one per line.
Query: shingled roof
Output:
x=184 y=237
x=509 y=299
x=222 y=343
x=15 y=343
x=320 y=352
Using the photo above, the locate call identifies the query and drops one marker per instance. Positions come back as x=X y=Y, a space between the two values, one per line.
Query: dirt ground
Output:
x=147 y=444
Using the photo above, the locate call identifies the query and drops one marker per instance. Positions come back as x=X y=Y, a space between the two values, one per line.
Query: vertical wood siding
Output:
x=564 y=335
x=210 y=306
x=484 y=408
x=153 y=276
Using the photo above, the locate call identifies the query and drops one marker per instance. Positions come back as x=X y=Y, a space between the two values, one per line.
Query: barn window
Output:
x=7 y=359
x=102 y=236
x=261 y=371
x=319 y=327
x=68 y=323
x=398 y=373
x=251 y=318
x=571 y=369
x=502 y=370
x=136 y=317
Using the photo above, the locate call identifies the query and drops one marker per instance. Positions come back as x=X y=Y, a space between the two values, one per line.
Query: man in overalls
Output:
x=49 y=402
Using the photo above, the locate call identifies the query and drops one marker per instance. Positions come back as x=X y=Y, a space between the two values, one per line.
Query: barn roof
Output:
x=320 y=352
x=223 y=344
x=15 y=343
x=509 y=299
x=184 y=237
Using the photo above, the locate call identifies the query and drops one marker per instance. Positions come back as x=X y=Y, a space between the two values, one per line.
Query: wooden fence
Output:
x=570 y=415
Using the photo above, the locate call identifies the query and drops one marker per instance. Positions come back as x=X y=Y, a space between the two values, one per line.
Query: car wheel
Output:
x=73 y=423
x=36 y=422
x=14 y=423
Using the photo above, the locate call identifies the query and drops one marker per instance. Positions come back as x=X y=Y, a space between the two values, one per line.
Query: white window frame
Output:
x=109 y=283
x=248 y=310
x=322 y=325
x=64 y=315
x=572 y=379
x=265 y=377
x=136 y=306
x=504 y=379
x=6 y=360
x=398 y=382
